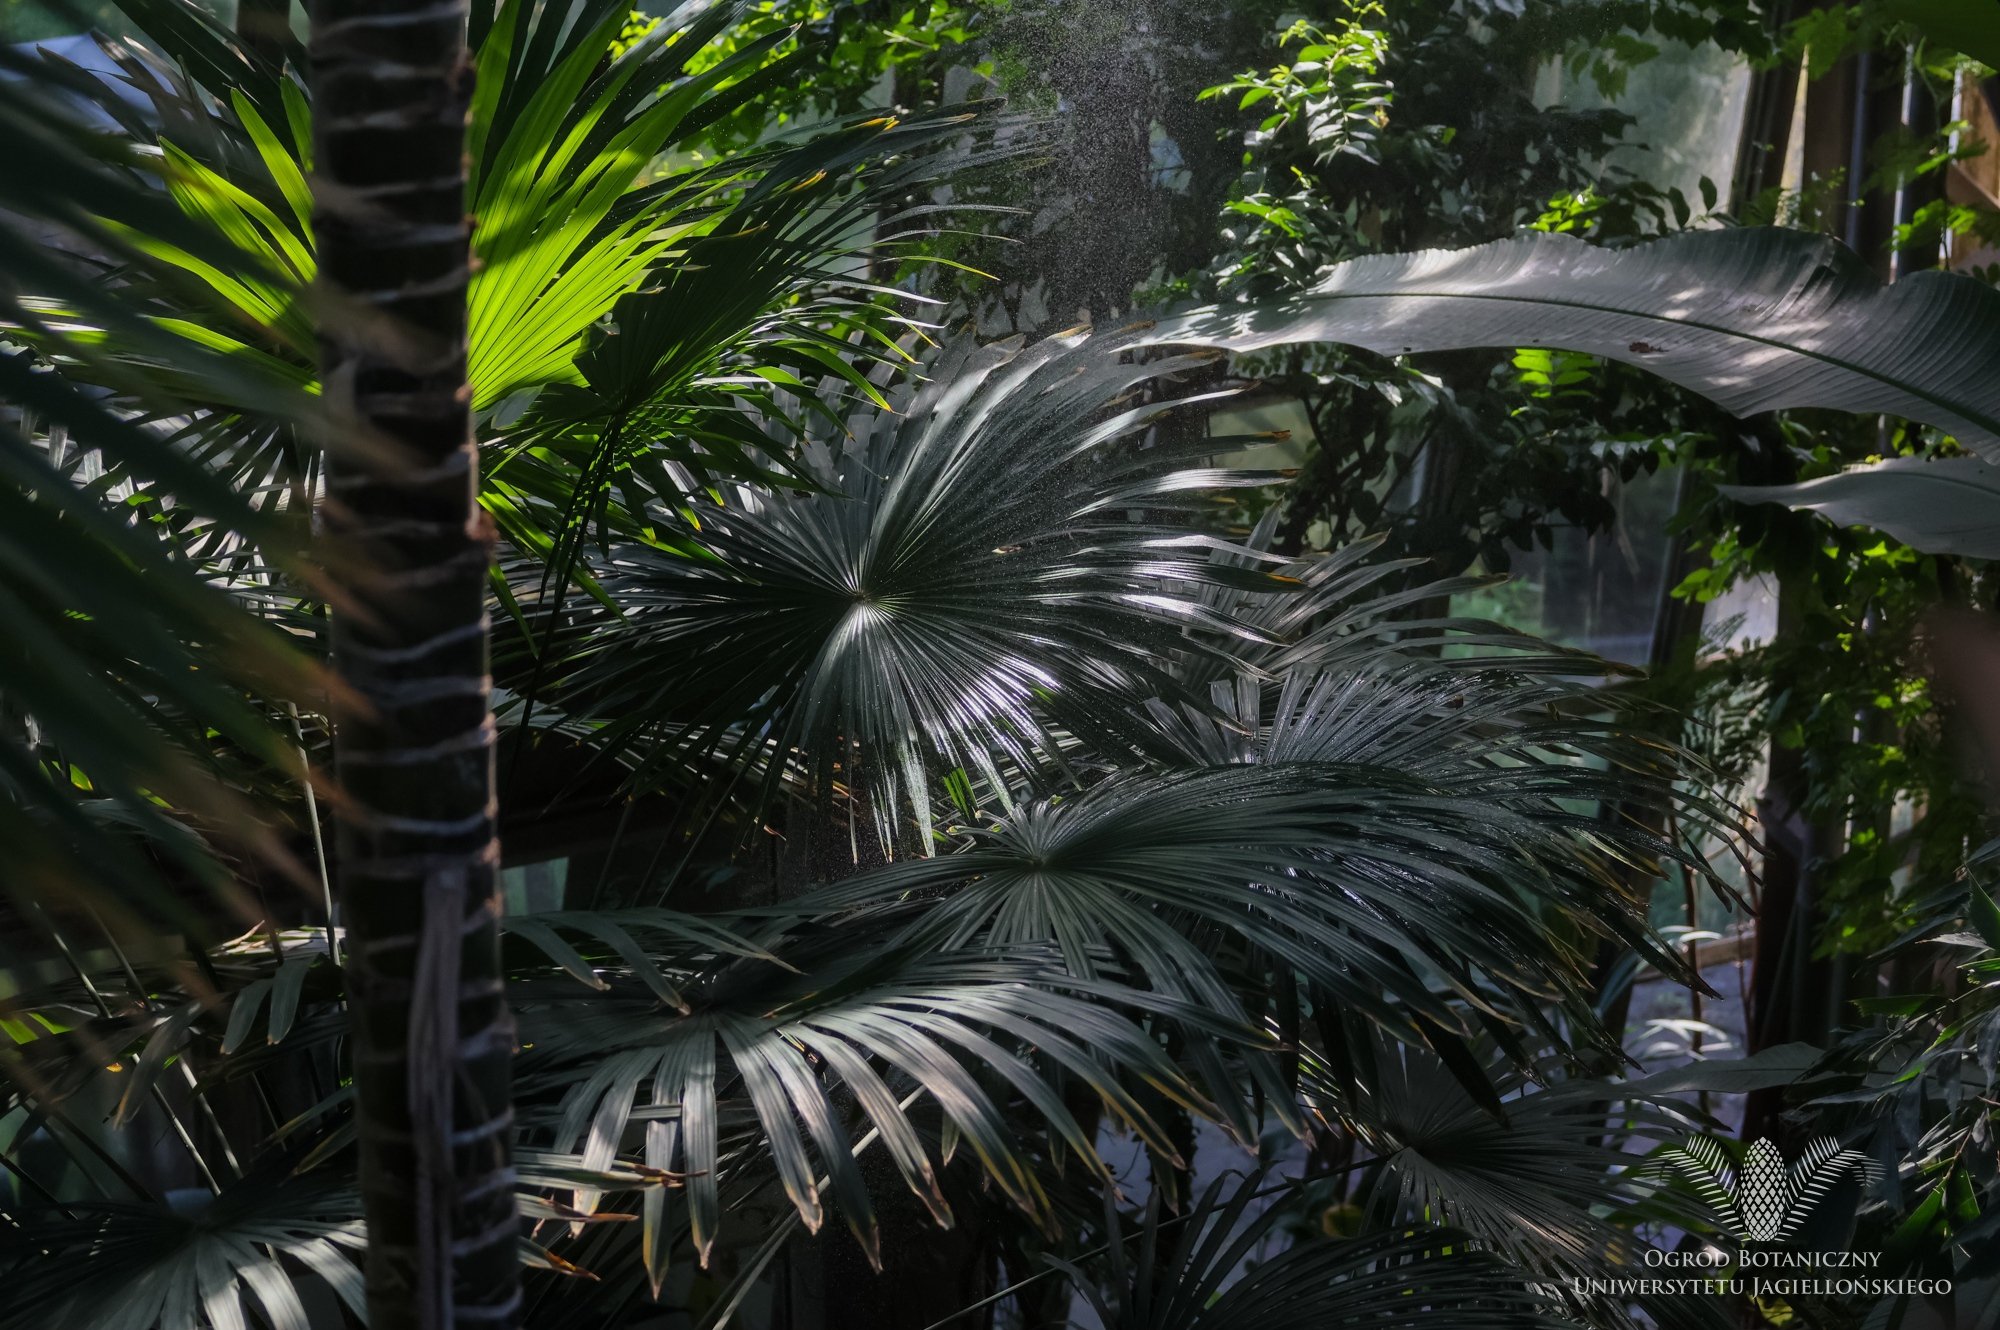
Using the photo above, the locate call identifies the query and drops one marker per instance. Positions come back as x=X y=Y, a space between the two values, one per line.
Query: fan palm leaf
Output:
x=1413 y=897
x=204 y=1267
x=964 y=583
x=773 y=1069
x=266 y=1250
x=1218 y=1272
x=1534 y=1179
x=1554 y=1175
x=575 y=214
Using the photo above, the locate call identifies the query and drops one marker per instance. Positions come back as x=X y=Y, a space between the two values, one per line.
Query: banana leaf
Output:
x=1947 y=506
x=1756 y=319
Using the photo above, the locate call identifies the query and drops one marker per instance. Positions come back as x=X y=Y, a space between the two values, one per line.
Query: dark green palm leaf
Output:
x=263 y=1252
x=1541 y=1177
x=1217 y=1271
x=1393 y=891
x=1531 y=1179
x=837 y=1051
x=615 y=938
x=968 y=579
x=202 y=1267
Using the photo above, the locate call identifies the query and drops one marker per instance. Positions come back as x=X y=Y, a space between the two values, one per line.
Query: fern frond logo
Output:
x=1764 y=1201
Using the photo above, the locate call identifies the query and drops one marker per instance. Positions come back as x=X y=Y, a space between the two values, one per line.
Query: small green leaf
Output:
x=243 y=1013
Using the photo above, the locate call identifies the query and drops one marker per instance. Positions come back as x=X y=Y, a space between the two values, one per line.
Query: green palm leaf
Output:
x=552 y=258
x=121 y=648
x=589 y=189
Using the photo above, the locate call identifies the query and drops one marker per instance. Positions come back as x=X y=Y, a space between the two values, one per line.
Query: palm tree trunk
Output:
x=418 y=857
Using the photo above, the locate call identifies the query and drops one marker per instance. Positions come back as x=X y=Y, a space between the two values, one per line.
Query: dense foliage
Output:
x=981 y=799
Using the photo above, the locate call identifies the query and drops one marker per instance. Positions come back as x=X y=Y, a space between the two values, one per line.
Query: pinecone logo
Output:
x=1763 y=1193
x=1764 y=1201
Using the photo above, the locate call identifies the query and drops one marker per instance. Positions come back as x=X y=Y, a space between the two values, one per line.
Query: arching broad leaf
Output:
x=1757 y=319
x=1947 y=506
